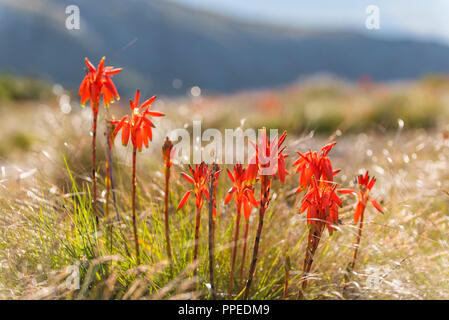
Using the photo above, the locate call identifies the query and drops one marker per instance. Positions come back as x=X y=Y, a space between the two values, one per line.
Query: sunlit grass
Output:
x=47 y=224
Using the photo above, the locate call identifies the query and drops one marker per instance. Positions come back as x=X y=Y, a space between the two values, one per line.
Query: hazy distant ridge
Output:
x=216 y=53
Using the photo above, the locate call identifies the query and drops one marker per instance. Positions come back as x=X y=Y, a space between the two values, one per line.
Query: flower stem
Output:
x=109 y=171
x=265 y=194
x=234 y=248
x=136 y=239
x=314 y=237
x=245 y=238
x=167 y=227
x=197 y=232
x=211 y=231
x=357 y=244
x=94 y=162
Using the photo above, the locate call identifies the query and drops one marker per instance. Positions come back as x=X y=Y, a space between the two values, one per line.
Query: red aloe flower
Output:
x=200 y=178
x=321 y=203
x=269 y=158
x=314 y=164
x=97 y=82
x=139 y=127
x=320 y=200
x=366 y=183
x=243 y=192
x=168 y=152
x=268 y=161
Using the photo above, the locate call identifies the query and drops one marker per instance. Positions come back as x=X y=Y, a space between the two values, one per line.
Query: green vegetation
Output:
x=13 y=88
x=326 y=107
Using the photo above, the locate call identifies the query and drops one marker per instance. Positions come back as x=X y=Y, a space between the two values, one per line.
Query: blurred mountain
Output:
x=157 y=41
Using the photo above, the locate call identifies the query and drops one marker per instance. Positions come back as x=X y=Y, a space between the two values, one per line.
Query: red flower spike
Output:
x=321 y=203
x=268 y=161
x=242 y=188
x=98 y=82
x=201 y=176
x=136 y=126
x=199 y=179
x=266 y=154
x=316 y=165
x=243 y=193
x=168 y=152
x=366 y=183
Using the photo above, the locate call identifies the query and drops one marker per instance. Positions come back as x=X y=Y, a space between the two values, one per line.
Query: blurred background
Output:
x=293 y=64
x=169 y=46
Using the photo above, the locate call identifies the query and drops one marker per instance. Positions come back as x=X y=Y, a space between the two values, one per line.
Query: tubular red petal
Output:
x=371 y=183
x=281 y=169
x=89 y=65
x=136 y=99
x=154 y=113
x=188 y=178
x=148 y=102
x=376 y=204
x=252 y=199
x=230 y=175
x=111 y=87
x=125 y=133
x=139 y=139
x=111 y=72
x=118 y=127
x=148 y=132
x=100 y=68
x=229 y=195
x=327 y=148
x=247 y=209
x=358 y=211
x=347 y=191
x=184 y=199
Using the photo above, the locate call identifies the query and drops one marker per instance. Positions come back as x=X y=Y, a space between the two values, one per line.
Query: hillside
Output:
x=174 y=42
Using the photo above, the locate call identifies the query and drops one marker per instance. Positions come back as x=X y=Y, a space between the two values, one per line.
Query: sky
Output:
x=421 y=19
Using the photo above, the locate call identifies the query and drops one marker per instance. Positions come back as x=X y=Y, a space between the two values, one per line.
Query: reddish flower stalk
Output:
x=110 y=176
x=245 y=241
x=320 y=201
x=212 y=188
x=96 y=83
x=199 y=179
x=244 y=197
x=366 y=183
x=167 y=153
x=268 y=161
x=139 y=128
x=108 y=189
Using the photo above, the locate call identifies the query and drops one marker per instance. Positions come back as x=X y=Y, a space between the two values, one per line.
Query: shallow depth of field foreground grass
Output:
x=48 y=234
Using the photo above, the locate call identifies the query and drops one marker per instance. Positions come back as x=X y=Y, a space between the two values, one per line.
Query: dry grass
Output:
x=46 y=223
